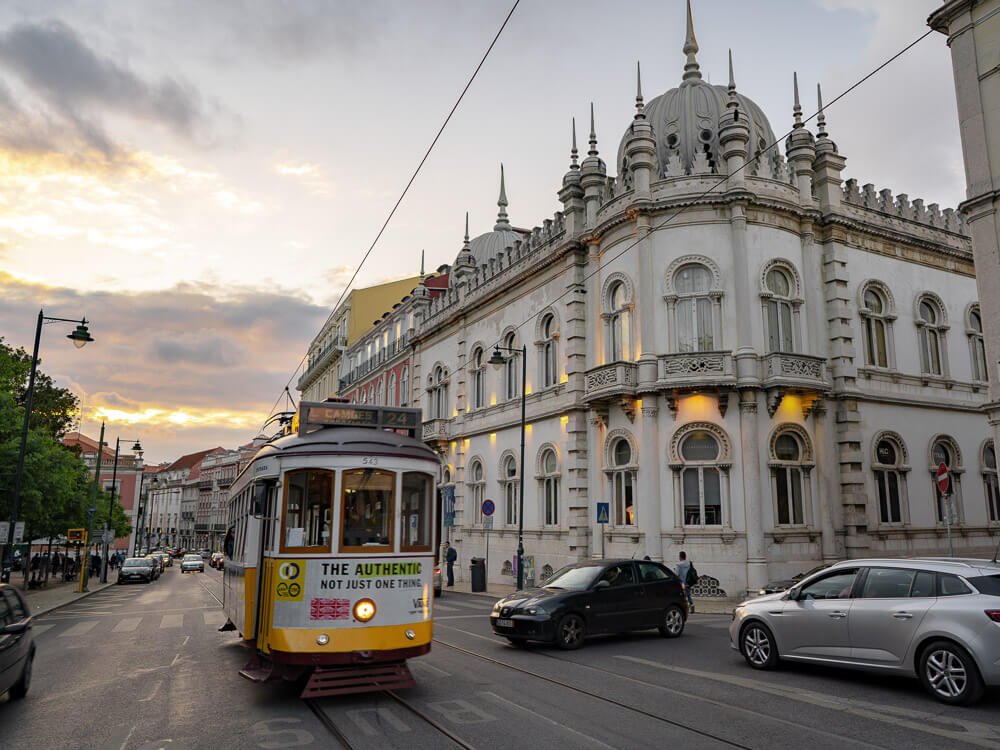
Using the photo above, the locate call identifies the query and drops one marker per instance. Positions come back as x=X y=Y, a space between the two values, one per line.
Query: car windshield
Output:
x=574 y=578
x=136 y=562
x=192 y=558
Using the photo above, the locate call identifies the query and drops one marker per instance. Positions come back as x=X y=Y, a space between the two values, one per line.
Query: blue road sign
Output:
x=604 y=512
x=488 y=507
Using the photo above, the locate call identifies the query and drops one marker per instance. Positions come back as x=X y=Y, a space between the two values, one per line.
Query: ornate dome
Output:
x=685 y=120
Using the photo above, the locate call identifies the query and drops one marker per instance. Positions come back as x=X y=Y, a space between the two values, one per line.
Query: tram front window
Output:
x=416 y=511
x=368 y=513
x=308 y=510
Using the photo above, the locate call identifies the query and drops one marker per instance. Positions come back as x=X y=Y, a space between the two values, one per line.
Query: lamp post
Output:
x=136 y=450
x=140 y=515
x=498 y=360
x=79 y=337
x=91 y=512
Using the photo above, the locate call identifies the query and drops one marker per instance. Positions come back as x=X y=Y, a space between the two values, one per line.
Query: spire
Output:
x=502 y=221
x=733 y=103
x=797 y=109
x=573 y=152
x=422 y=263
x=465 y=244
x=821 y=116
x=593 y=135
x=639 y=106
x=691 y=68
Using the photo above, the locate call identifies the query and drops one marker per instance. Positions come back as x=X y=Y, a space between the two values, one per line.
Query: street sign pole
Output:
x=488 y=508
x=947 y=510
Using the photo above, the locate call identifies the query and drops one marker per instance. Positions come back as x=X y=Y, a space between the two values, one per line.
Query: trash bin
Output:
x=477 y=569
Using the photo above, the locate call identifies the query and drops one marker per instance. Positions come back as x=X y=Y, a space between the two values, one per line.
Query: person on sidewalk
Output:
x=450 y=556
x=688 y=576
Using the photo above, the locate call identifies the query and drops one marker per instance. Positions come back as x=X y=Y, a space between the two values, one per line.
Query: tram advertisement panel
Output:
x=312 y=593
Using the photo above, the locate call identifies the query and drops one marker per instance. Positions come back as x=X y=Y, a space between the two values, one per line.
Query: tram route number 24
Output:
x=369 y=461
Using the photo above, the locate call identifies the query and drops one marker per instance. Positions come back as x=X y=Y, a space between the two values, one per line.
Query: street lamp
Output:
x=140 y=515
x=136 y=450
x=498 y=360
x=79 y=337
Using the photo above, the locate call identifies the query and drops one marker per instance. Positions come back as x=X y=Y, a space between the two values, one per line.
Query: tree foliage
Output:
x=53 y=409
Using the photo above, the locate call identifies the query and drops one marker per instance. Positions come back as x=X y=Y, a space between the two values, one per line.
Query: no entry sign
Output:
x=943 y=479
x=488 y=508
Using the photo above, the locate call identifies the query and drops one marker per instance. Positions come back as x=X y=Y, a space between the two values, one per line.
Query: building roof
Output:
x=192 y=459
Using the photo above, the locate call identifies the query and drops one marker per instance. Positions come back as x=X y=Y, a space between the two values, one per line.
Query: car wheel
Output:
x=672 y=623
x=949 y=674
x=758 y=647
x=570 y=632
x=518 y=642
x=20 y=688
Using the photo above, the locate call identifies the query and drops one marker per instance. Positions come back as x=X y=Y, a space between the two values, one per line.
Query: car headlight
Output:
x=536 y=610
x=497 y=607
x=762 y=592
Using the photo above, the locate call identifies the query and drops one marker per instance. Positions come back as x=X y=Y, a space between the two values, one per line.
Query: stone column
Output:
x=595 y=475
x=826 y=479
x=750 y=463
x=650 y=492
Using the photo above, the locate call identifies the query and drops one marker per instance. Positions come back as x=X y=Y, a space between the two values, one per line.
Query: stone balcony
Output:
x=611 y=380
x=793 y=371
x=437 y=431
x=697 y=370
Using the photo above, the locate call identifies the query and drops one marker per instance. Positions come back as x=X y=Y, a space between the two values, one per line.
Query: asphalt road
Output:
x=144 y=666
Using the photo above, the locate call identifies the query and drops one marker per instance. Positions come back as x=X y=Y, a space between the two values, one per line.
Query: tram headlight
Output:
x=322 y=639
x=364 y=610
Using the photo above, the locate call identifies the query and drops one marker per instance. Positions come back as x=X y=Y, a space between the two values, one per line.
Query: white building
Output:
x=762 y=366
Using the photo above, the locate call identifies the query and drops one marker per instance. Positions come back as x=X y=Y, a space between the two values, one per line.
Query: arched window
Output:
x=930 y=332
x=404 y=387
x=438 y=392
x=619 y=323
x=511 y=366
x=778 y=311
x=977 y=346
x=509 y=481
x=888 y=467
x=478 y=379
x=695 y=309
x=548 y=374
x=990 y=483
x=701 y=484
x=371 y=393
x=945 y=451
x=876 y=320
x=477 y=483
x=623 y=482
x=790 y=479
x=550 y=487
x=391 y=392
x=380 y=392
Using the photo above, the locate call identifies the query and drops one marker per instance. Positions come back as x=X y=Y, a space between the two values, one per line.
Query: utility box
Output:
x=477 y=569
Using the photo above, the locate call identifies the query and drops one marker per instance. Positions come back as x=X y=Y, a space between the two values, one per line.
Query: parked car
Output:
x=783 y=584
x=205 y=553
x=583 y=599
x=437 y=580
x=191 y=563
x=17 y=644
x=136 y=569
x=216 y=560
x=937 y=619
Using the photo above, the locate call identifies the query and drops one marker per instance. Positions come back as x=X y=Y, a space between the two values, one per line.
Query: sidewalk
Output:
x=702 y=606
x=57 y=593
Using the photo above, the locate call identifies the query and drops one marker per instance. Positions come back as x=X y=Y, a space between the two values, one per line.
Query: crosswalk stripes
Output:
x=126 y=625
x=467 y=605
x=39 y=629
x=172 y=621
x=81 y=628
x=214 y=618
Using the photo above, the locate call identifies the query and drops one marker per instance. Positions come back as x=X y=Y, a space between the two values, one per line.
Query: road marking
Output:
x=461 y=617
x=494 y=639
x=80 y=628
x=172 y=621
x=186 y=639
x=130 y=733
x=156 y=689
x=972 y=732
x=445 y=608
x=176 y=659
x=127 y=625
x=39 y=629
x=503 y=701
x=431 y=667
x=467 y=605
x=214 y=617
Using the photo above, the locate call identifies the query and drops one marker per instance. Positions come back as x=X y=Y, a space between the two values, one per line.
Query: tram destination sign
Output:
x=314 y=416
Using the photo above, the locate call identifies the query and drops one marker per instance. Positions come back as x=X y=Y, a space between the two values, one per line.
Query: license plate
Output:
x=502 y=623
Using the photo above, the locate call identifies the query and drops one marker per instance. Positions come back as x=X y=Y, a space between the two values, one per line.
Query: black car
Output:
x=608 y=596
x=17 y=644
x=783 y=584
x=136 y=569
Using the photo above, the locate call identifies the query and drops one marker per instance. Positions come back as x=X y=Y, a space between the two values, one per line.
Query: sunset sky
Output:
x=200 y=180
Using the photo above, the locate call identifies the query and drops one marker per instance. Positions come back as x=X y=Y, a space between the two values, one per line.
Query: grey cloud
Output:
x=201 y=348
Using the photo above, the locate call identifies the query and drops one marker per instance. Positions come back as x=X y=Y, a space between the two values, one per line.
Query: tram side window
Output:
x=416 y=511
x=367 y=510
x=308 y=501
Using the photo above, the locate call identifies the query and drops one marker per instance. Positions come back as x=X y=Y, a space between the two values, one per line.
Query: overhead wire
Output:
x=409 y=183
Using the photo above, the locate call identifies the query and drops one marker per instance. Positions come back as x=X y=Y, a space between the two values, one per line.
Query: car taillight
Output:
x=437 y=571
x=993 y=614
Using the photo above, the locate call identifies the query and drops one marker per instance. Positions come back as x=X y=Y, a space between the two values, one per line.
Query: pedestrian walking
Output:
x=688 y=576
x=450 y=556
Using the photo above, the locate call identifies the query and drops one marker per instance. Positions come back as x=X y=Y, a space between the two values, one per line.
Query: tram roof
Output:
x=349 y=441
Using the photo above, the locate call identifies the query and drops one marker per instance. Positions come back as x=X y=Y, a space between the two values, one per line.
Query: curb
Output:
x=78 y=597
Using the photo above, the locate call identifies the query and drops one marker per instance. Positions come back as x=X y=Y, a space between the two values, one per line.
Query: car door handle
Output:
x=838 y=615
x=902 y=615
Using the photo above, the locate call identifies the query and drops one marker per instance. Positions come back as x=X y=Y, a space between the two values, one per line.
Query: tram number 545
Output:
x=369 y=461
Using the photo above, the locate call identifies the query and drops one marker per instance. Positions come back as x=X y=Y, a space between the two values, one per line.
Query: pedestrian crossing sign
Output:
x=603 y=512
x=75 y=535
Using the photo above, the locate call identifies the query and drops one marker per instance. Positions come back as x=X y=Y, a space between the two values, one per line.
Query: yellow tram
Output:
x=329 y=554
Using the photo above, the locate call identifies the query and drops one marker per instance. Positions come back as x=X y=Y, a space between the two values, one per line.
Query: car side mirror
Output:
x=793 y=593
x=16 y=629
x=602 y=585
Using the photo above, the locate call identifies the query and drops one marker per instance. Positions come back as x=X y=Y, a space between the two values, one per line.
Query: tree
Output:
x=53 y=409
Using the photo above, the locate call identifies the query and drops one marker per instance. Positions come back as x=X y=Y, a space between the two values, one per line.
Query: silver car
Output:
x=935 y=618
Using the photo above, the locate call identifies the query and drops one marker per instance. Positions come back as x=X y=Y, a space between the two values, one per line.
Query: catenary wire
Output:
x=410 y=182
